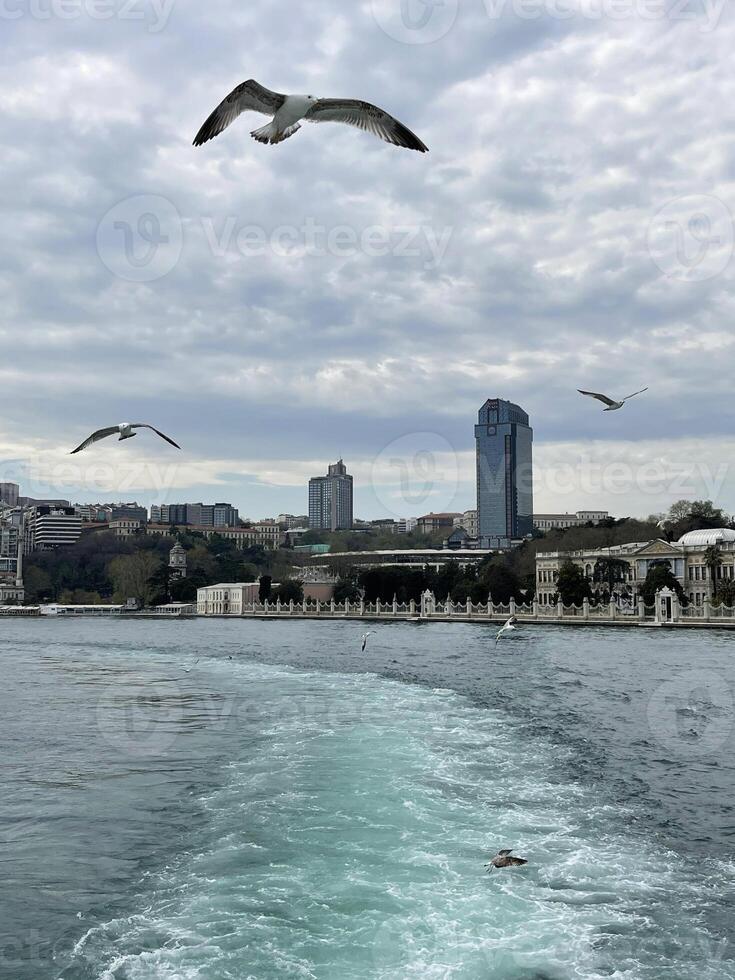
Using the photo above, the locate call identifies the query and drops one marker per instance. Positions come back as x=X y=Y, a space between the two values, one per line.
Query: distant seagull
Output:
x=187 y=670
x=365 y=638
x=288 y=110
x=509 y=626
x=503 y=859
x=612 y=405
x=124 y=430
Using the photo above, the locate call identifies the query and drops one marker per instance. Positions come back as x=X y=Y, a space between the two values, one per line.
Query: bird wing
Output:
x=598 y=396
x=95 y=437
x=634 y=394
x=368 y=117
x=249 y=96
x=144 y=425
x=517 y=861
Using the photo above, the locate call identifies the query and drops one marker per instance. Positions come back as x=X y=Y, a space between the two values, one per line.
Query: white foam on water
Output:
x=347 y=842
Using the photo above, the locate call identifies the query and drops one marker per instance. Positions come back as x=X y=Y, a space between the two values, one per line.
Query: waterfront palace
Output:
x=685 y=558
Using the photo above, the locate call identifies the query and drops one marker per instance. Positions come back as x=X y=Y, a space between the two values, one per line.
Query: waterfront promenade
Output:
x=666 y=612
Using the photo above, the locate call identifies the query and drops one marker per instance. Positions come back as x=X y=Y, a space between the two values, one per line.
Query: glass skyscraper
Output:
x=330 y=499
x=504 y=473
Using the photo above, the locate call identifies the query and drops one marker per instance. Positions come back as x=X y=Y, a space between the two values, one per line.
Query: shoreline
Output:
x=326 y=615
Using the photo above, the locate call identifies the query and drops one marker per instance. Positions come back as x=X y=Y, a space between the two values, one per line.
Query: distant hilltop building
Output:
x=9 y=494
x=331 y=500
x=504 y=441
x=196 y=515
x=550 y=522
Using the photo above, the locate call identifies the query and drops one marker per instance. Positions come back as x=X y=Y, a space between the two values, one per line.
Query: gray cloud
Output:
x=516 y=259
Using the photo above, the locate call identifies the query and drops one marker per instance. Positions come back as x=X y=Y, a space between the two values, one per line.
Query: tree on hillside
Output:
x=346 y=590
x=713 y=560
x=679 y=511
x=264 y=592
x=660 y=576
x=572 y=585
x=610 y=572
x=131 y=576
x=501 y=581
x=292 y=590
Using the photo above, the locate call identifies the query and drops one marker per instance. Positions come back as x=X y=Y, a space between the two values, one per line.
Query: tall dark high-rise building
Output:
x=504 y=473
x=330 y=499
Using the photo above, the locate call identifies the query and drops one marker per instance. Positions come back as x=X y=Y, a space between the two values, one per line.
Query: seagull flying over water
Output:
x=365 y=638
x=287 y=111
x=187 y=670
x=510 y=625
x=124 y=430
x=612 y=405
x=503 y=859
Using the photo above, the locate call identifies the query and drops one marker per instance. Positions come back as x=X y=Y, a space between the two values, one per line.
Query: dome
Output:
x=703 y=539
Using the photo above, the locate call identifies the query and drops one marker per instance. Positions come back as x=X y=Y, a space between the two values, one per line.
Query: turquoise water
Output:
x=302 y=811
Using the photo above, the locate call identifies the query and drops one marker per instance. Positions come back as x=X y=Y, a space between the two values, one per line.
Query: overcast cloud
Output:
x=273 y=308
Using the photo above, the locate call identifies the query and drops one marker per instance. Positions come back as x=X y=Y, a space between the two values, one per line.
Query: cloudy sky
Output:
x=274 y=308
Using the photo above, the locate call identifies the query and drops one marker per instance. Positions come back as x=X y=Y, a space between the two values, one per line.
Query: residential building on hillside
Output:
x=331 y=499
x=270 y=536
x=47 y=528
x=195 y=515
x=686 y=558
x=469 y=522
x=9 y=494
x=504 y=442
x=549 y=522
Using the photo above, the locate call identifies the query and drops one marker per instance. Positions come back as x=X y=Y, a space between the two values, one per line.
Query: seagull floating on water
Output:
x=612 y=405
x=503 y=859
x=365 y=638
x=125 y=431
x=187 y=670
x=507 y=628
x=287 y=111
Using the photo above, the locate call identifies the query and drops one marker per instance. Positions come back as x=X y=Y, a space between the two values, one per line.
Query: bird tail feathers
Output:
x=271 y=134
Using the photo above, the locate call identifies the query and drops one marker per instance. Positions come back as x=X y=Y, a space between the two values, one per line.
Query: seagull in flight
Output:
x=287 y=112
x=510 y=625
x=187 y=670
x=612 y=405
x=124 y=430
x=365 y=638
x=503 y=859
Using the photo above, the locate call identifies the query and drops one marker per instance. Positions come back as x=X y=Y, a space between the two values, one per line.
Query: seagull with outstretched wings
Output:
x=611 y=403
x=288 y=111
x=507 y=628
x=125 y=431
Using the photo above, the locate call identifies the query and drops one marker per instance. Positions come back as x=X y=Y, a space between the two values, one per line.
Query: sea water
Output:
x=200 y=800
